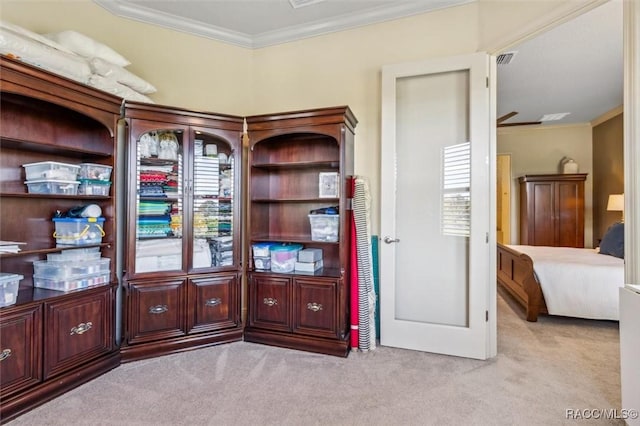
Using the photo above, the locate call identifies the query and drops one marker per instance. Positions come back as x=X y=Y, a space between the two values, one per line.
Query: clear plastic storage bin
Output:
x=261 y=249
x=78 y=231
x=51 y=170
x=94 y=187
x=63 y=187
x=283 y=257
x=95 y=171
x=262 y=263
x=82 y=254
x=324 y=227
x=9 y=285
x=71 y=283
x=70 y=268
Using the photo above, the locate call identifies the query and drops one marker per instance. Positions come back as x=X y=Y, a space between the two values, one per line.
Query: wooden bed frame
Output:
x=515 y=274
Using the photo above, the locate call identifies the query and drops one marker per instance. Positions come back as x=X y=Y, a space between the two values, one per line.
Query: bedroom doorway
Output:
x=503 y=199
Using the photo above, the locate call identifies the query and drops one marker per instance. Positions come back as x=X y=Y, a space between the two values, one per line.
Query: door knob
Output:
x=390 y=240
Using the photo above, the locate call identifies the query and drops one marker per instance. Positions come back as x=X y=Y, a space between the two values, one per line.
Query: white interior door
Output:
x=437 y=257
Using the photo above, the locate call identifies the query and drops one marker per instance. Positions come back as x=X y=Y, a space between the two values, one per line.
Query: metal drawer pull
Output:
x=315 y=307
x=213 y=302
x=158 y=309
x=81 y=328
x=6 y=353
x=270 y=301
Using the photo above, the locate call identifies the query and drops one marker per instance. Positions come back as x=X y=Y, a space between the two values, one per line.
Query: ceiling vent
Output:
x=504 y=58
x=302 y=3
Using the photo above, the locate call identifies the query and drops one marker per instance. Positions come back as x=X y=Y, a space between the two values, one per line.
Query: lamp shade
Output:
x=616 y=203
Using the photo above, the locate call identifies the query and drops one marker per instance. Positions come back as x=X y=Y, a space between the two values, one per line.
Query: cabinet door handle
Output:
x=213 y=302
x=270 y=301
x=158 y=309
x=81 y=328
x=6 y=353
x=315 y=307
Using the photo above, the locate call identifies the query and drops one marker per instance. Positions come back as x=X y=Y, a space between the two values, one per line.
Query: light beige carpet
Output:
x=542 y=369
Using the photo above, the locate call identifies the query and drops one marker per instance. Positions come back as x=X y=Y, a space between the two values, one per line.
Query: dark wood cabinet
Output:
x=288 y=152
x=52 y=341
x=552 y=210
x=183 y=242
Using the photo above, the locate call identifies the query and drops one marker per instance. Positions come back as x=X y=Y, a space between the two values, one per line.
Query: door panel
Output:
x=214 y=302
x=156 y=310
x=77 y=331
x=438 y=207
x=271 y=299
x=315 y=307
x=20 y=350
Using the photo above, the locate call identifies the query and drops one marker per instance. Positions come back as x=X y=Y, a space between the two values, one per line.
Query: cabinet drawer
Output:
x=214 y=302
x=20 y=349
x=156 y=310
x=77 y=331
x=315 y=307
x=270 y=299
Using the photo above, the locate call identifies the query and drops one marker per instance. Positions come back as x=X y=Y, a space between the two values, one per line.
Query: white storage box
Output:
x=78 y=231
x=9 y=285
x=63 y=187
x=308 y=267
x=324 y=227
x=283 y=257
x=71 y=283
x=51 y=170
x=94 y=187
x=95 y=171
x=310 y=255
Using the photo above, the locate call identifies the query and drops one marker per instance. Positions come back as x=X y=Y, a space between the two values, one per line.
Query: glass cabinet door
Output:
x=159 y=204
x=212 y=202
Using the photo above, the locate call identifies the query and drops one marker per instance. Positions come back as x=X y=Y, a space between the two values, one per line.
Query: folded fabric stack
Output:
x=221 y=251
x=75 y=56
x=154 y=219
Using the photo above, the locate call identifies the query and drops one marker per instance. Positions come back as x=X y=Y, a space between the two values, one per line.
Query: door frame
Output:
x=631 y=105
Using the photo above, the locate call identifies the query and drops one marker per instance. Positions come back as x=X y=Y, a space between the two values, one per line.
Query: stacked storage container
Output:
x=72 y=270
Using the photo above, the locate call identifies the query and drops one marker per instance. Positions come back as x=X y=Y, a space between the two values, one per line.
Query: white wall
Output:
x=188 y=71
x=334 y=69
x=538 y=150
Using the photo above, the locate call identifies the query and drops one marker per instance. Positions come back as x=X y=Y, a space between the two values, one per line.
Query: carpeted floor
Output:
x=542 y=370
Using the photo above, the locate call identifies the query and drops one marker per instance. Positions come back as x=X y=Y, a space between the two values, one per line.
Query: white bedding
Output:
x=16 y=42
x=577 y=282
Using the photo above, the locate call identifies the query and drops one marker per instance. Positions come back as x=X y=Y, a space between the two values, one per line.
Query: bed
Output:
x=564 y=281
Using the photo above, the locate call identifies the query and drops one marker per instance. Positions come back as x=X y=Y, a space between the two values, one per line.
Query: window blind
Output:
x=456 y=190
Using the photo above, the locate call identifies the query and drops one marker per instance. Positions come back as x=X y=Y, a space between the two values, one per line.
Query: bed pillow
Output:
x=33 y=36
x=87 y=47
x=121 y=75
x=613 y=241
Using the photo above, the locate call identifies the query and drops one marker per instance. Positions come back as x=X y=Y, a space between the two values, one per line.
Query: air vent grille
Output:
x=505 y=58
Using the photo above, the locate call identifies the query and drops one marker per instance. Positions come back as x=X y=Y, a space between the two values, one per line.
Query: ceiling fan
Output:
x=499 y=121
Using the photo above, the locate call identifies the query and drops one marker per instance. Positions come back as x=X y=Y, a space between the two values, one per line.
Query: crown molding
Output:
x=285 y=35
x=154 y=17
